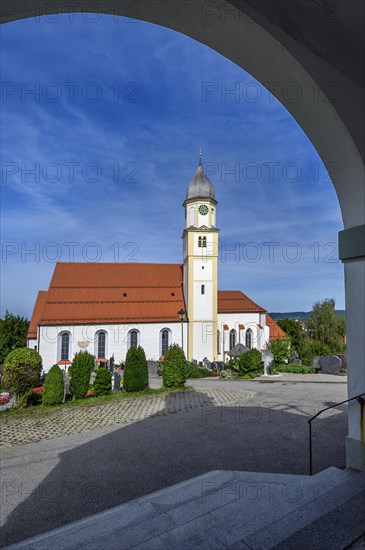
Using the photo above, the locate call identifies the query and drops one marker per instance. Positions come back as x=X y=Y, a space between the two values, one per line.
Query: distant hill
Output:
x=299 y=315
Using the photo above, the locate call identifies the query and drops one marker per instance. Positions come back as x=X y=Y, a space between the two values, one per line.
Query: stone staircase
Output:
x=226 y=509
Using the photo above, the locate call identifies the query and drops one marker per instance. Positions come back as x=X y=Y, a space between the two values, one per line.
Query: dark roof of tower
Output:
x=200 y=186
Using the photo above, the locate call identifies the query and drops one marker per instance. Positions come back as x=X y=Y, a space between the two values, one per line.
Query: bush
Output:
x=22 y=369
x=249 y=364
x=81 y=369
x=200 y=373
x=174 y=367
x=280 y=349
x=312 y=348
x=135 y=370
x=54 y=387
x=295 y=369
x=103 y=382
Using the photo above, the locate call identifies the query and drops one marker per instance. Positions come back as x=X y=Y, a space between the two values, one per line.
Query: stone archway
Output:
x=295 y=49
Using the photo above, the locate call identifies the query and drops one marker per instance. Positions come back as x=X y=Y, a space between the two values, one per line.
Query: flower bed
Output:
x=4 y=398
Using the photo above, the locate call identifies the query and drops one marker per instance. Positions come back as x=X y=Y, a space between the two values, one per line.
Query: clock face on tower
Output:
x=203 y=210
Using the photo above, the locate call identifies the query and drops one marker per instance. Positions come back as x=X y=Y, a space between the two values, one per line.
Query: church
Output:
x=106 y=308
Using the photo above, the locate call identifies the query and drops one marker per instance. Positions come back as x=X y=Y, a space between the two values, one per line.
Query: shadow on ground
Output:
x=158 y=452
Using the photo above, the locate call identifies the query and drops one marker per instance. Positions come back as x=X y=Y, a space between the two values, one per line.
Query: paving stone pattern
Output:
x=20 y=429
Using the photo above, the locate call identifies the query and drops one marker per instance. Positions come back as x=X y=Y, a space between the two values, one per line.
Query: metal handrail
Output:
x=359 y=399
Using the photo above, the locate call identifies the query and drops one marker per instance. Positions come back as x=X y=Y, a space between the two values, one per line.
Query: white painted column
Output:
x=355 y=329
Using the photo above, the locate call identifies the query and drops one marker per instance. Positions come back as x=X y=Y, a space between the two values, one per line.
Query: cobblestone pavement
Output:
x=19 y=429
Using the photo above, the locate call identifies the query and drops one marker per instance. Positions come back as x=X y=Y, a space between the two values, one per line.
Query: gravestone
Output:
x=330 y=364
x=116 y=383
x=295 y=359
x=343 y=360
x=238 y=350
x=152 y=367
x=316 y=362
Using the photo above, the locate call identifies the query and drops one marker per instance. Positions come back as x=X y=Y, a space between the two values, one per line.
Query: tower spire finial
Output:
x=200 y=155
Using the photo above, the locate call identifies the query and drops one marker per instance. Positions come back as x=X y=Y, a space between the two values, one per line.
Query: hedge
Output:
x=174 y=367
x=103 y=382
x=135 y=370
x=81 y=369
x=54 y=387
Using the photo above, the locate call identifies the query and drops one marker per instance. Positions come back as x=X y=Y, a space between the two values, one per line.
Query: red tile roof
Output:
x=37 y=313
x=231 y=301
x=275 y=331
x=88 y=293
x=95 y=293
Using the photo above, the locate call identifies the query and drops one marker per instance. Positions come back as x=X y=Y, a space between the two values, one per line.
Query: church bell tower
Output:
x=200 y=254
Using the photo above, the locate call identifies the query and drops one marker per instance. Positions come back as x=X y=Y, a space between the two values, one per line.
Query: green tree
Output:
x=22 y=368
x=135 y=370
x=293 y=329
x=13 y=334
x=174 y=367
x=280 y=349
x=326 y=326
x=81 y=369
x=54 y=387
x=103 y=382
x=312 y=348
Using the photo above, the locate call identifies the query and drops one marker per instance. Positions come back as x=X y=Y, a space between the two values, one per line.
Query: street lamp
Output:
x=182 y=315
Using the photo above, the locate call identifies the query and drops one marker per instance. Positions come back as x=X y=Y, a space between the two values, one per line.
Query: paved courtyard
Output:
x=19 y=429
x=238 y=425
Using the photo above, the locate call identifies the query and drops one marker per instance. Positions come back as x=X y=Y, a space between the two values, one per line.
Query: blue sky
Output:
x=101 y=153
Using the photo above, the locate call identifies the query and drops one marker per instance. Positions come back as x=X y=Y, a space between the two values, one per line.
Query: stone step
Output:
x=243 y=515
x=218 y=509
x=333 y=531
x=349 y=492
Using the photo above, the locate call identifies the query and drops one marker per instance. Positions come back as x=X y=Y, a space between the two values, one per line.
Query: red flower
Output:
x=38 y=390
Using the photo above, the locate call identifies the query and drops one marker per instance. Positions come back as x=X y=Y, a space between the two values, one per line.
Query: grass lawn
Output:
x=92 y=401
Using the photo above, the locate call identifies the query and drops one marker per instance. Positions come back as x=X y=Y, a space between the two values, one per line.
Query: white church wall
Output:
x=203 y=334
x=83 y=337
x=32 y=343
x=203 y=269
x=203 y=303
x=233 y=320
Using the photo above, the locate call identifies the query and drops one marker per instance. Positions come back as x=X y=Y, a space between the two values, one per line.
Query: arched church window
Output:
x=204 y=242
x=232 y=339
x=65 y=346
x=101 y=344
x=165 y=340
x=218 y=341
x=248 y=340
x=133 y=337
x=203 y=289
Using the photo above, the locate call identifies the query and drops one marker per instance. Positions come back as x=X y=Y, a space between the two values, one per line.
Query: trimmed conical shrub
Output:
x=54 y=387
x=81 y=369
x=174 y=367
x=135 y=370
x=103 y=382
